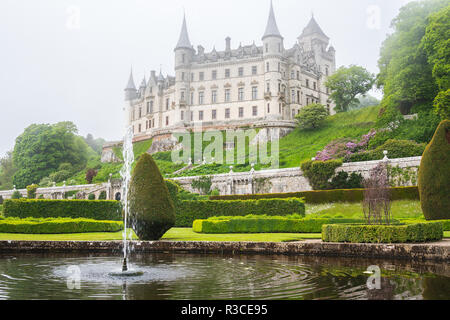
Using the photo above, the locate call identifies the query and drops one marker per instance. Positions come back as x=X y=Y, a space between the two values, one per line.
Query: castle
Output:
x=258 y=86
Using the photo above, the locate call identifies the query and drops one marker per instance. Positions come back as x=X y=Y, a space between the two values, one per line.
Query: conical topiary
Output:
x=434 y=175
x=152 y=211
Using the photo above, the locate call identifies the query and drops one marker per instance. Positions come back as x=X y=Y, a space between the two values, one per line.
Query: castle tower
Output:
x=130 y=95
x=184 y=53
x=272 y=53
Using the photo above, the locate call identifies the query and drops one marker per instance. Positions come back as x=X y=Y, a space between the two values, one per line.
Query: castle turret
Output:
x=184 y=53
x=272 y=52
x=130 y=90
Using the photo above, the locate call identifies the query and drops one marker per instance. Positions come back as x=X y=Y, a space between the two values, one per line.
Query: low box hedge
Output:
x=417 y=232
x=188 y=211
x=255 y=224
x=41 y=208
x=328 y=196
x=445 y=223
x=57 y=226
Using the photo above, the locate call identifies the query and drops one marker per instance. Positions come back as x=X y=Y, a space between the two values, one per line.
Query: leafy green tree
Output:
x=31 y=191
x=42 y=148
x=347 y=83
x=312 y=116
x=95 y=144
x=442 y=104
x=406 y=74
x=16 y=195
x=7 y=171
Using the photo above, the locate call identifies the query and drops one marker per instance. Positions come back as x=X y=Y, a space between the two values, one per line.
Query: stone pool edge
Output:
x=437 y=251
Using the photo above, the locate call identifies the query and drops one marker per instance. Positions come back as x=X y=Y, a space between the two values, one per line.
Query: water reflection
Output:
x=186 y=277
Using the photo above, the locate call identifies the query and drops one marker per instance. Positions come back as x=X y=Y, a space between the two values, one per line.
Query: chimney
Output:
x=228 y=43
x=200 y=50
x=153 y=74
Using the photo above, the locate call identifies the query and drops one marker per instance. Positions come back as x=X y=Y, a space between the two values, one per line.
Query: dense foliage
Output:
x=320 y=172
x=152 y=212
x=414 y=64
x=417 y=232
x=57 y=226
x=31 y=191
x=312 y=116
x=42 y=148
x=7 y=171
x=346 y=84
x=193 y=210
x=97 y=210
x=434 y=175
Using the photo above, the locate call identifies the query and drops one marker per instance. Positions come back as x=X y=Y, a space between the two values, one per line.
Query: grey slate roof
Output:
x=313 y=28
x=131 y=84
x=272 y=27
x=184 y=41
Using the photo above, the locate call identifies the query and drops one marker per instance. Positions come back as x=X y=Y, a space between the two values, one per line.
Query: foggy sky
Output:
x=54 y=69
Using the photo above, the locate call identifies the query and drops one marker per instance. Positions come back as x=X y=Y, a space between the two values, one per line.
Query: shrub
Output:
x=326 y=196
x=90 y=174
x=202 y=184
x=60 y=176
x=319 y=172
x=102 y=195
x=193 y=210
x=58 y=226
x=342 y=180
x=16 y=195
x=312 y=116
x=152 y=211
x=418 y=232
x=1 y=200
x=31 y=191
x=396 y=149
x=255 y=224
x=434 y=175
x=97 y=210
x=91 y=196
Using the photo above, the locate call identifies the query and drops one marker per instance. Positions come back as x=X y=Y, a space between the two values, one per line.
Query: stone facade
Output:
x=252 y=85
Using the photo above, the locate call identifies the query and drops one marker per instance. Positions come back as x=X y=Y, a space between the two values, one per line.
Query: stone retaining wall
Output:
x=439 y=251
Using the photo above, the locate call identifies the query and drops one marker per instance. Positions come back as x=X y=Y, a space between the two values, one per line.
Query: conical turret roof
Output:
x=131 y=85
x=272 y=27
x=313 y=28
x=183 y=41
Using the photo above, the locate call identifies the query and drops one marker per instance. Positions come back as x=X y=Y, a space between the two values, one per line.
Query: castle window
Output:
x=167 y=104
x=298 y=96
x=292 y=74
x=254 y=93
x=182 y=115
x=267 y=67
x=140 y=113
x=202 y=76
x=201 y=97
x=268 y=87
x=315 y=85
x=214 y=114
x=148 y=107
x=326 y=71
x=293 y=96
x=192 y=115
x=307 y=101
x=227 y=73
x=167 y=121
x=182 y=95
x=214 y=74
x=298 y=75
x=241 y=72
x=268 y=108
x=328 y=90
x=241 y=112
x=139 y=127
x=192 y=97
x=267 y=47
x=200 y=115
x=241 y=94
x=153 y=123
x=254 y=70
x=227 y=113
x=307 y=83
x=293 y=114
x=279 y=108
x=227 y=95
x=214 y=96
x=255 y=111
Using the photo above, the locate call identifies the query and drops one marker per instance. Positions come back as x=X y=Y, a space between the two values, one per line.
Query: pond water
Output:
x=211 y=277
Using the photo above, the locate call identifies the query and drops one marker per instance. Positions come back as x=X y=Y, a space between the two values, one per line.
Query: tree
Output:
x=31 y=191
x=434 y=175
x=442 y=104
x=152 y=211
x=42 y=148
x=7 y=171
x=347 y=83
x=312 y=116
x=90 y=174
x=95 y=144
x=406 y=74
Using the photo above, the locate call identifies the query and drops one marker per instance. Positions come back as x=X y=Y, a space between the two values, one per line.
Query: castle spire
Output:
x=131 y=85
x=272 y=27
x=183 y=41
x=313 y=28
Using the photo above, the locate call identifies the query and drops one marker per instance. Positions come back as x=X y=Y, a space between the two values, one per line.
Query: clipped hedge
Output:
x=265 y=225
x=57 y=226
x=188 y=211
x=418 y=232
x=327 y=196
x=41 y=208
